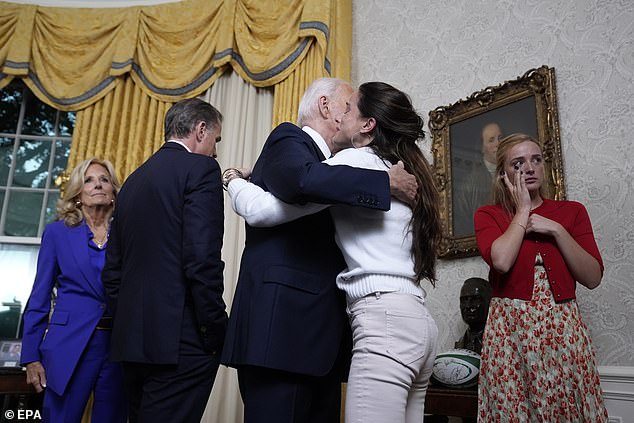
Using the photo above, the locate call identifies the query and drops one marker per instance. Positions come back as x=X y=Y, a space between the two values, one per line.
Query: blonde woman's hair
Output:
x=501 y=193
x=68 y=207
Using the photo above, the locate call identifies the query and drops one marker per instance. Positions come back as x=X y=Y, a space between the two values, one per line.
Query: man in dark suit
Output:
x=288 y=333
x=163 y=271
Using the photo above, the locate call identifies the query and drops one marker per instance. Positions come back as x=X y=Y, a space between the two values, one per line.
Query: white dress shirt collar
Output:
x=180 y=143
x=319 y=140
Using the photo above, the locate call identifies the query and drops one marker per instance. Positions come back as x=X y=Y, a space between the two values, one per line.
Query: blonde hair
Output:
x=501 y=193
x=68 y=208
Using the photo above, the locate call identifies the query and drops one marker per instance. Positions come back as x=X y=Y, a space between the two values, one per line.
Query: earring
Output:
x=78 y=204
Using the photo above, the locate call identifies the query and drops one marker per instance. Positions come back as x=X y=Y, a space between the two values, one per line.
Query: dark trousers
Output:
x=172 y=392
x=273 y=396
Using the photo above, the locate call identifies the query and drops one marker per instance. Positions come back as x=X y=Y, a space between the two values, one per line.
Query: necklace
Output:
x=100 y=244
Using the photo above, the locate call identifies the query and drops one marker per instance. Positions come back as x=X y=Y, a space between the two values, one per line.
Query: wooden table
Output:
x=452 y=402
x=14 y=382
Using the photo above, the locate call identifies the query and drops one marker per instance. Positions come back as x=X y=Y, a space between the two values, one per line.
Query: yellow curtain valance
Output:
x=70 y=58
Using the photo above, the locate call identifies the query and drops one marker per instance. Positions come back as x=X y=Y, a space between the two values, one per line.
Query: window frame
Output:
x=49 y=187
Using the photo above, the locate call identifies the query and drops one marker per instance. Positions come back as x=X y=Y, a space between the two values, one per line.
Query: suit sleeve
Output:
x=293 y=174
x=38 y=306
x=111 y=273
x=203 y=229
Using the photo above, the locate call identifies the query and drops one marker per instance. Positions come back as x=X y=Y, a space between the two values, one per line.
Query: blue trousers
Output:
x=94 y=374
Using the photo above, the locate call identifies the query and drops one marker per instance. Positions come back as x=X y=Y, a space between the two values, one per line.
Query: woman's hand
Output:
x=246 y=172
x=542 y=225
x=36 y=376
x=232 y=173
x=519 y=193
x=505 y=249
x=584 y=267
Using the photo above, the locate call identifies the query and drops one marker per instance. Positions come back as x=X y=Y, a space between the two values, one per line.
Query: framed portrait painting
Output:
x=465 y=136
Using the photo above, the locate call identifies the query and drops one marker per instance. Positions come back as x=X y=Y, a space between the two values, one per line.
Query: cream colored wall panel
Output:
x=439 y=51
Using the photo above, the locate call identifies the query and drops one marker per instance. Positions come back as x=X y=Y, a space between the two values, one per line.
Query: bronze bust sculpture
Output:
x=475 y=297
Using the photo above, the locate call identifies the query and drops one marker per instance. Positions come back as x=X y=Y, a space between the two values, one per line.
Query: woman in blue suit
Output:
x=66 y=321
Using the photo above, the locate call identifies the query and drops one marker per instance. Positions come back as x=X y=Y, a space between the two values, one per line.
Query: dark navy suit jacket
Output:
x=287 y=312
x=81 y=301
x=163 y=266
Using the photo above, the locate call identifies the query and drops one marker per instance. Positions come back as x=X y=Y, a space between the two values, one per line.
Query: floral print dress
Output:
x=538 y=364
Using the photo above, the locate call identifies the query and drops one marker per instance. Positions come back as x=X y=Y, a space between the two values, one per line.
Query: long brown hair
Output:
x=395 y=137
x=501 y=193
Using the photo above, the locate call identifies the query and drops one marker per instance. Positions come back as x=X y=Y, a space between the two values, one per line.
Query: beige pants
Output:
x=394 y=347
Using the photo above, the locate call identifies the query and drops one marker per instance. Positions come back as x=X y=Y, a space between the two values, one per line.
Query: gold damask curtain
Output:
x=122 y=68
x=125 y=127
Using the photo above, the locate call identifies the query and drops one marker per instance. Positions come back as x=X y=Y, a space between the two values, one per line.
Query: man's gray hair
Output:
x=309 y=105
x=182 y=117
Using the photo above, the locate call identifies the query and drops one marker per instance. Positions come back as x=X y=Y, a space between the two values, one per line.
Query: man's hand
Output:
x=36 y=376
x=403 y=185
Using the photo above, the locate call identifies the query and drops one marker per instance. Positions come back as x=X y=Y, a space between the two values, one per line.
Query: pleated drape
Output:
x=70 y=57
x=247 y=121
x=121 y=68
x=125 y=127
x=288 y=92
x=336 y=43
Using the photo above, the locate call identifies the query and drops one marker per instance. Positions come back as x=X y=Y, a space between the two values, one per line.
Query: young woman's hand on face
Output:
x=517 y=188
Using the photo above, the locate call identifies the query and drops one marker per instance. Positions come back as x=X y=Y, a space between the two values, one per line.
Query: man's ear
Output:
x=324 y=111
x=368 y=126
x=199 y=130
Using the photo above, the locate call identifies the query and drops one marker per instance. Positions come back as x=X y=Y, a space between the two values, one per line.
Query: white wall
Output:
x=618 y=392
x=440 y=51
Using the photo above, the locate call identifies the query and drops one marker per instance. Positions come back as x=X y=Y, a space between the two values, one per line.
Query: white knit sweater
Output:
x=376 y=244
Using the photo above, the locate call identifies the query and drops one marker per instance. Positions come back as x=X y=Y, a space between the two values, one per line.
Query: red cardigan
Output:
x=492 y=221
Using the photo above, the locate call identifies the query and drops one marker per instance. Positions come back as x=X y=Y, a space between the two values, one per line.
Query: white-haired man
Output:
x=288 y=333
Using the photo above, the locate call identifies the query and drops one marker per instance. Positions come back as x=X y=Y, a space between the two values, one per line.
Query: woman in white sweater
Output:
x=388 y=255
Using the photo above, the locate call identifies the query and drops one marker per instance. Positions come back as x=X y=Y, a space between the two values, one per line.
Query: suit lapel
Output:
x=79 y=246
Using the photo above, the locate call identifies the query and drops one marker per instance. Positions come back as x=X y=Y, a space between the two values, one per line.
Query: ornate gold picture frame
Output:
x=465 y=134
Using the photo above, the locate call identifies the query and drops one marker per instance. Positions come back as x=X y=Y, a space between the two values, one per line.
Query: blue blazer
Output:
x=63 y=261
x=287 y=312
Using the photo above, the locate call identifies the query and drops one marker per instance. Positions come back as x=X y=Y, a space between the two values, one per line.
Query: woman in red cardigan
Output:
x=538 y=363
